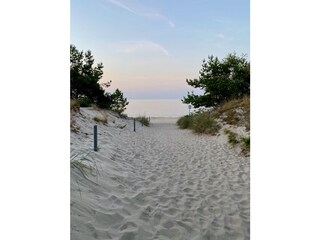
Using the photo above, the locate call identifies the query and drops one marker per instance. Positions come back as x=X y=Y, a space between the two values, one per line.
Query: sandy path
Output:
x=159 y=182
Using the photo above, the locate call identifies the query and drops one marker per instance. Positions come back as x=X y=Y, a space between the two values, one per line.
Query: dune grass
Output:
x=234 y=139
x=74 y=105
x=84 y=164
x=144 y=120
x=74 y=109
x=102 y=118
x=234 y=112
x=73 y=125
x=245 y=146
x=185 y=122
x=201 y=122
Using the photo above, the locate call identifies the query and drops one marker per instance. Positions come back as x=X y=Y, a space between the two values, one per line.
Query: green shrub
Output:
x=201 y=122
x=204 y=123
x=185 y=122
x=84 y=102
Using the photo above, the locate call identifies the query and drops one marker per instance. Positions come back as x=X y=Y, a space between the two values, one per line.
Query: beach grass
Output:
x=245 y=146
x=201 y=122
x=185 y=122
x=102 y=118
x=144 y=120
x=232 y=137
x=84 y=164
x=74 y=105
x=234 y=112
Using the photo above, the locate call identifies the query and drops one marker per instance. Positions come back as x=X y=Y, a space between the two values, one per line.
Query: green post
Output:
x=95 y=138
x=134 y=124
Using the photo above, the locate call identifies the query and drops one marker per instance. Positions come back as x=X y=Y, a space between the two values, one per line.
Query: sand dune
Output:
x=159 y=182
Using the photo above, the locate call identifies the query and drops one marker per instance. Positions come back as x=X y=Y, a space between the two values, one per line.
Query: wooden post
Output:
x=95 y=138
x=134 y=124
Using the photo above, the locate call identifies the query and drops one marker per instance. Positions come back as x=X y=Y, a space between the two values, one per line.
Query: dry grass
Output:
x=74 y=105
x=144 y=120
x=74 y=109
x=73 y=125
x=94 y=106
x=235 y=112
x=102 y=118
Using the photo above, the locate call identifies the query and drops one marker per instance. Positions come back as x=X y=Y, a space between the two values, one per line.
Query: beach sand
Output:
x=159 y=182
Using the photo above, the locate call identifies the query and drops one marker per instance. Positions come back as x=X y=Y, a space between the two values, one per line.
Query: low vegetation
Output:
x=234 y=112
x=102 y=118
x=74 y=105
x=144 y=120
x=235 y=140
x=246 y=146
x=122 y=126
x=185 y=122
x=84 y=164
x=232 y=137
x=225 y=98
x=199 y=123
x=74 y=109
x=73 y=125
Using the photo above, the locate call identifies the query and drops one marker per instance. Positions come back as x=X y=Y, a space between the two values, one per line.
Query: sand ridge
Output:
x=159 y=182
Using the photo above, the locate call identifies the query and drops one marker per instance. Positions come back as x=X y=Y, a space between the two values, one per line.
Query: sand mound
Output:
x=159 y=182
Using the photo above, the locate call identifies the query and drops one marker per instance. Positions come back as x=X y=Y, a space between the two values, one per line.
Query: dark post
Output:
x=95 y=138
x=134 y=124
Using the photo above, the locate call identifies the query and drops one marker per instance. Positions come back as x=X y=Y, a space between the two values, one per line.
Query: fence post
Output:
x=134 y=124
x=95 y=138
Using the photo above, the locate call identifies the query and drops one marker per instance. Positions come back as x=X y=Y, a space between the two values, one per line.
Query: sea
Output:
x=171 y=108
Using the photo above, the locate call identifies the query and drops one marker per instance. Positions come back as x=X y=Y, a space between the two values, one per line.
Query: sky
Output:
x=150 y=47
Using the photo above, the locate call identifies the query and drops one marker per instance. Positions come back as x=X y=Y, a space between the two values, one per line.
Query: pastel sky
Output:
x=149 y=47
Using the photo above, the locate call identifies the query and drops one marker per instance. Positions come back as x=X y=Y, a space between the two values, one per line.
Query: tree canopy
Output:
x=220 y=80
x=84 y=78
x=119 y=102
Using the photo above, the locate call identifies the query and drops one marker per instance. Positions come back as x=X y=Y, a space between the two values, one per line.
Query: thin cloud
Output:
x=222 y=36
x=121 y=5
x=159 y=16
x=171 y=24
x=137 y=46
x=149 y=15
